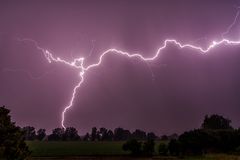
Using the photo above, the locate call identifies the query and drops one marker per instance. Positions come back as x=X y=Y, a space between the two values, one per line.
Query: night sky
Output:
x=170 y=94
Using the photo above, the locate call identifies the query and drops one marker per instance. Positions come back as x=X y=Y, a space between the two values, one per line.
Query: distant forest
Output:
x=101 y=134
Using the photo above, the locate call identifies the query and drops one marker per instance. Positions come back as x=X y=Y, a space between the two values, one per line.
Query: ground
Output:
x=76 y=148
x=98 y=151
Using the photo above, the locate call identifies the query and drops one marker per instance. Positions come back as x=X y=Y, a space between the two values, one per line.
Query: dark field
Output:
x=98 y=150
x=55 y=149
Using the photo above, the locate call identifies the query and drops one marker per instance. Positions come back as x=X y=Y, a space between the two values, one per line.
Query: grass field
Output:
x=52 y=149
x=98 y=150
x=215 y=157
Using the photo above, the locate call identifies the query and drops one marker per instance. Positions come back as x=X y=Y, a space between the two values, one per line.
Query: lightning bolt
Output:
x=231 y=25
x=78 y=63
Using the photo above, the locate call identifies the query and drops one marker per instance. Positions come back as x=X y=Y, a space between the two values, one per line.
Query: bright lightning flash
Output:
x=78 y=63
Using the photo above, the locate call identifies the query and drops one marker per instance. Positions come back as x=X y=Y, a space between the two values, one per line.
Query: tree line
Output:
x=215 y=135
x=101 y=134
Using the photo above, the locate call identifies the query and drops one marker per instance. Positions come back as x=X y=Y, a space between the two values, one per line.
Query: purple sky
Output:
x=121 y=92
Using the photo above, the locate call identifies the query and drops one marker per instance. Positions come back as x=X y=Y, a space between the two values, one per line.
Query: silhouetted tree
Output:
x=71 y=134
x=136 y=148
x=103 y=134
x=29 y=132
x=228 y=140
x=86 y=137
x=164 y=137
x=110 y=135
x=216 y=122
x=98 y=137
x=151 y=135
x=139 y=134
x=162 y=149
x=121 y=134
x=106 y=135
x=148 y=147
x=57 y=134
x=12 y=144
x=41 y=134
x=94 y=134
x=199 y=141
x=193 y=142
x=133 y=146
x=174 y=147
x=173 y=136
